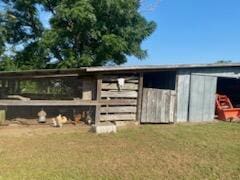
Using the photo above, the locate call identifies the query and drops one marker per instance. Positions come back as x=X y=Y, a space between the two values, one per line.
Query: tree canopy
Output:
x=80 y=33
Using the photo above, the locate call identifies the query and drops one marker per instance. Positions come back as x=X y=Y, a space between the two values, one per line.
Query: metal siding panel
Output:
x=206 y=99
x=213 y=99
x=209 y=103
x=202 y=98
x=196 y=98
x=218 y=72
x=183 y=87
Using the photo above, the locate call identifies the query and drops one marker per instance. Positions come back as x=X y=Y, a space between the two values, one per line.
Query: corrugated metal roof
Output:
x=159 y=67
x=84 y=70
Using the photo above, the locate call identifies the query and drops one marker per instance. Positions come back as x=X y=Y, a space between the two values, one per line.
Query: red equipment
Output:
x=225 y=109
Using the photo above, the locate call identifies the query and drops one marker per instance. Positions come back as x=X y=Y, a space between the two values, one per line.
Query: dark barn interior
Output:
x=160 y=80
x=231 y=88
x=30 y=112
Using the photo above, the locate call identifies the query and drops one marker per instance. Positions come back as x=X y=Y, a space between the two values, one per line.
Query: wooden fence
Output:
x=158 y=106
x=120 y=103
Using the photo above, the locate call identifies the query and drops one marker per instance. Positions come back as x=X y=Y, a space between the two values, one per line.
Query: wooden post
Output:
x=176 y=97
x=98 y=98
x=2 y=116
x=140 y=94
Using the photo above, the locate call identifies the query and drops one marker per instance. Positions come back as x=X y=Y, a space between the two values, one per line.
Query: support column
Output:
x=98 y=99
x=139 y=101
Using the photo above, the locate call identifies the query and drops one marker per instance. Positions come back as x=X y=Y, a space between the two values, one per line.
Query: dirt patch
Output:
x=18 y=130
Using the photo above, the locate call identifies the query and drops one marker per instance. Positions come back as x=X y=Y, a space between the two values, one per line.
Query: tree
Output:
x=81 y=33
x=2 y=34
x=223 y=61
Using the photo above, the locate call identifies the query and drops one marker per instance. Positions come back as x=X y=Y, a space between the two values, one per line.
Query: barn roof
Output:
x=111 y=69
x=159 y=67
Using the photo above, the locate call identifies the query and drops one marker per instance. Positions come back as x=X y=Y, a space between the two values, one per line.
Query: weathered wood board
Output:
x=119 y=94
x=119 y=109
x=119 y=103
x=158 y=106
x=116 y=117
x=114 y=86
x=48 y=103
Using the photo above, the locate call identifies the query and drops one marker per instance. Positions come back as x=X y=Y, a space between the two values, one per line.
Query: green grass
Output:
x=203 y=151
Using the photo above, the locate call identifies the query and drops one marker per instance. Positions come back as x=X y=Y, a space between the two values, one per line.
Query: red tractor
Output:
x=225 y=109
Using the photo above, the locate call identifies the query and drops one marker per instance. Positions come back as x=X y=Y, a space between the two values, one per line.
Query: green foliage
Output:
x=7 y=64
x=2 y=34
x=81 y=33
x=33 y=56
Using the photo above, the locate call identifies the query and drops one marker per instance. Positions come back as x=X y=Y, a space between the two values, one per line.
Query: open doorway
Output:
x=228 y=99
x=160 y=80
x=231 y=88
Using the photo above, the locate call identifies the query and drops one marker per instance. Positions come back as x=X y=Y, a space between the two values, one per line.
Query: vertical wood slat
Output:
x=140 y=96
x=148 y=103
x=163 y=105
x=144 y=106
x=172 y=108
x=167 y=107
x=158 y=106
x=98 y=98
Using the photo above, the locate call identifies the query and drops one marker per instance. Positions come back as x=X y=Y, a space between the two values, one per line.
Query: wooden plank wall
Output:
x=119 y=104
x=159 y=106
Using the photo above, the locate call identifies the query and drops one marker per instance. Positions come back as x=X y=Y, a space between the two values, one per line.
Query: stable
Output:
x=144 y=94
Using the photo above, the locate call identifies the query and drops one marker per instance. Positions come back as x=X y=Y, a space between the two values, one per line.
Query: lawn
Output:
x=187 y=151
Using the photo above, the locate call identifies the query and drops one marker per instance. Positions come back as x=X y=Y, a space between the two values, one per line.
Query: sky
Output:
x=193 y=31
x=190 y=31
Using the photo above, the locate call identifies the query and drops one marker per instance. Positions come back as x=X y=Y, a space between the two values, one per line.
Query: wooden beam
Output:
x=26 y=77
x=140 y=94
x=114 y=78
x=98 y=99
x=119 y=94
x=118 y=117
x=48 y=103
x=119 y=109
x=114 y=86
x=119 y=102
